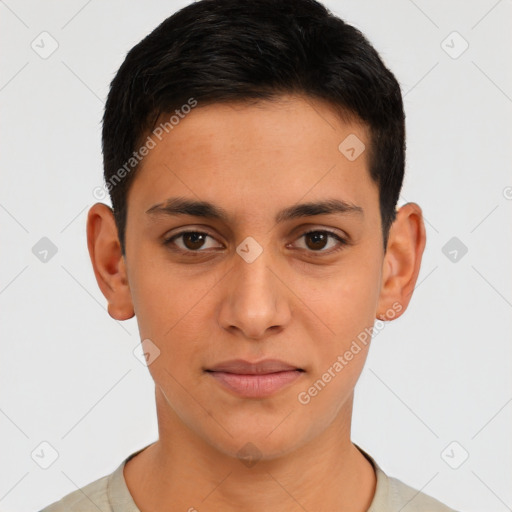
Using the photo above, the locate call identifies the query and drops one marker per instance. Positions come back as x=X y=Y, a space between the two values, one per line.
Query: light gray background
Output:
x=439 y=374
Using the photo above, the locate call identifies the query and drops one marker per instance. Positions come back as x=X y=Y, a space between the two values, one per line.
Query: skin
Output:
x=299 y=301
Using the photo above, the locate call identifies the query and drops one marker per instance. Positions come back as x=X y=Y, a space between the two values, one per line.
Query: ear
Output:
x=108 y=261
x=402 y=261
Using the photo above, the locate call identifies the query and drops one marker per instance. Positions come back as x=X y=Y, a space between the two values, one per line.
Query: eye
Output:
x=191 y=241
x=317 y=240
x=314 y=241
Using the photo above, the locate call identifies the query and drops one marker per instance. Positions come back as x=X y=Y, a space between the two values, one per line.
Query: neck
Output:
x=182 y=472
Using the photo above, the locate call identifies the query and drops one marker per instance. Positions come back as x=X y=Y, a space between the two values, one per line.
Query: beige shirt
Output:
x=110 y=494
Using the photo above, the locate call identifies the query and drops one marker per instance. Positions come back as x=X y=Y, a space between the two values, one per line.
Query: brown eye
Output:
x=192 y=241
x=316 y=241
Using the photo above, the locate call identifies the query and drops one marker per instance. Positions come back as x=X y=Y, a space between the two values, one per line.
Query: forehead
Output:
x=285 y=150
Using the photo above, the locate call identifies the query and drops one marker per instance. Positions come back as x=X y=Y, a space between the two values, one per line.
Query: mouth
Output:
x=255 y=380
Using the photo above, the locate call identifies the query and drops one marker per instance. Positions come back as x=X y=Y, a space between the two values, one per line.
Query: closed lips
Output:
x=243 y=367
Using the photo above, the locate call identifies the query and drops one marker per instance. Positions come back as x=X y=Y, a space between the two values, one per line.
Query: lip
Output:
x=255 y=380
x=242 y=367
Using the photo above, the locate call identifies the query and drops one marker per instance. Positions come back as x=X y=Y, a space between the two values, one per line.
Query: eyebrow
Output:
x=175 y=206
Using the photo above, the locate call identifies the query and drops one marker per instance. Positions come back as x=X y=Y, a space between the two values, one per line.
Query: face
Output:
x=255 y=276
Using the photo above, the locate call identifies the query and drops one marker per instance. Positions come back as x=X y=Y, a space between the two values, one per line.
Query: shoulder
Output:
x=106 y=494
x=393 y=495
x=90 y=498
x=408 y=499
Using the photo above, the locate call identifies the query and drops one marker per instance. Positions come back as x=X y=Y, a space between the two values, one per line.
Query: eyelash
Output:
x=342 y=242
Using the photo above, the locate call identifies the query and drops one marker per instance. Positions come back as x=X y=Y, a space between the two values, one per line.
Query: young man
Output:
x=254 y=154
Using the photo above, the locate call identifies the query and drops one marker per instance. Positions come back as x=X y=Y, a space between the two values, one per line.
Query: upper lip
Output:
x=243 y=367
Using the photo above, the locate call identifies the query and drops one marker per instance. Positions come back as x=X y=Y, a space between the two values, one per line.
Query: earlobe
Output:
x=402 y=261
x=108 y=261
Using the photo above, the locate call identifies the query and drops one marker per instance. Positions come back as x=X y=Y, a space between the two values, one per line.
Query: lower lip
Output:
x=256 y=386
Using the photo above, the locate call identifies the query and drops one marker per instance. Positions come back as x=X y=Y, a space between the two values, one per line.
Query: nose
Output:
x=254 y=299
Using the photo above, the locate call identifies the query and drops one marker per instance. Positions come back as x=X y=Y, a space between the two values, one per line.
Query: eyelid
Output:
x=169 y=239
x=343 y=239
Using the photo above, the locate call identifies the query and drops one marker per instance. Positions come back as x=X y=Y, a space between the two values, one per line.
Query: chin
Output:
x=253 y=445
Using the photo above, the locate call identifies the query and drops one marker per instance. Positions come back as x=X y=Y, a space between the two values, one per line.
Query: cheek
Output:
x=172 y=311
x=345 y=304
x=349 y=309
x=161 y=296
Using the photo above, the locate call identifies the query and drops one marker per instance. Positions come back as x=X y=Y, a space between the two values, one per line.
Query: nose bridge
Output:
x=254 y=302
